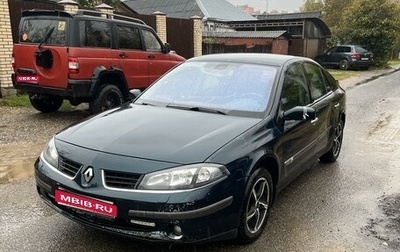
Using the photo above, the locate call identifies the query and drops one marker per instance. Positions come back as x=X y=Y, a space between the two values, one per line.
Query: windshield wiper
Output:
x=200 y=109
x=46 y=37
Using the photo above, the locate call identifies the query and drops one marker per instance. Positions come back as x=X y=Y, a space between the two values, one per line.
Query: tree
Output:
x=372 y=24
x=93 y=3
x=312 y=5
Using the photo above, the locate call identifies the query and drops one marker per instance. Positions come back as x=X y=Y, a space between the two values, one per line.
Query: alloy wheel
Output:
x=257 y=205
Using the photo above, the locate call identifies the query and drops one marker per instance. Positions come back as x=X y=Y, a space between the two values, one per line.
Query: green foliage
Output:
x=93 y=3
x=313 y=5
x=372 y=24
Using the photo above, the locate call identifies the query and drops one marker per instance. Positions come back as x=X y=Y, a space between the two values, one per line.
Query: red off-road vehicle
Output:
x=86 y=57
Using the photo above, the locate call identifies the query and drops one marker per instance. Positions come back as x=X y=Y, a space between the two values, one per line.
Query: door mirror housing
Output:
x=133 y=93
x=166 y=48
x=300 y=113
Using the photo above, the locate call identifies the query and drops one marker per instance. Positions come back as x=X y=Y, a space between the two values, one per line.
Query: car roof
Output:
x=251 y=58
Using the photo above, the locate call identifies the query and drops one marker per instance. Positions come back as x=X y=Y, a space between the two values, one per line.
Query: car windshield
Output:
x=223 y=86
x=36 y=30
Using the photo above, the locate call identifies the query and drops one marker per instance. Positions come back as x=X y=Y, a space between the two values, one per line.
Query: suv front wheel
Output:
x=108 y=97
x=45 y=103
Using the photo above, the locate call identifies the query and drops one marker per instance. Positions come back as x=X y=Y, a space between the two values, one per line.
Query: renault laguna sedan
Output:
x=201 y=154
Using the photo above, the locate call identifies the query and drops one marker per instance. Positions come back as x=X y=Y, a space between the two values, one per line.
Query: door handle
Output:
x=123 y=55
x=337 y=105
x=151 y=56
x=314 y=121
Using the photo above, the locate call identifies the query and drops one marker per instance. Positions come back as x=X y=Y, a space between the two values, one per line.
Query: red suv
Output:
x=86 y=57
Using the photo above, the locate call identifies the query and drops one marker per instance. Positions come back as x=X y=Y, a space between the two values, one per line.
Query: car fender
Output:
x=103 y=75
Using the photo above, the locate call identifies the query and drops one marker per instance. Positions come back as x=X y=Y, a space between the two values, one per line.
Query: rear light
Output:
x=73 y=65
x=355 y=56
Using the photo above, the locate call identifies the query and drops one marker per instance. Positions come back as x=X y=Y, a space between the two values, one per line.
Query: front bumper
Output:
x=182 y=217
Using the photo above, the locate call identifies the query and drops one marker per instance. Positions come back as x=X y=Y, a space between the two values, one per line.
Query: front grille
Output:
x=68 y=167
x=120 y=180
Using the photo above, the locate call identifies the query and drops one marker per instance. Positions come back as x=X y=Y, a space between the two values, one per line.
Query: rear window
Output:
x=36 y=30
x=360 y=49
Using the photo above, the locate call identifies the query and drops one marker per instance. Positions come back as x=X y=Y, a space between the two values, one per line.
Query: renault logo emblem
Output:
x=88 y=174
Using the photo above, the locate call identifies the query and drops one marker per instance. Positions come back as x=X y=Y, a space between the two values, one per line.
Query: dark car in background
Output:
x=346 y=57
x=201 y=154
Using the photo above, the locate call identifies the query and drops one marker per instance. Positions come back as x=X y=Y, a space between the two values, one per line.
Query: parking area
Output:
x=24 y=133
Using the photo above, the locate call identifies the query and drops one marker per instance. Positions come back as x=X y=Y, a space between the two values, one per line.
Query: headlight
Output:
x=50 y=153
x=183 y=177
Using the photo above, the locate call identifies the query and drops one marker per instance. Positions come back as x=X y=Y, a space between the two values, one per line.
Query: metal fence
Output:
x=180 y=36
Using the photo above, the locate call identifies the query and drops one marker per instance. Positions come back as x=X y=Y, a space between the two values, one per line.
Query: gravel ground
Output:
x=24 y=133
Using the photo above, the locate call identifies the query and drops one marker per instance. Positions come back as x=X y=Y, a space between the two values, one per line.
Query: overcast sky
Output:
x=279 y=5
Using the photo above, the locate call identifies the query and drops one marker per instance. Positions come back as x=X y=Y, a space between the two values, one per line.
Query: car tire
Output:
x=334 y=151
x=344 y=64
x=108 y=97
x=45 y=103
x=256 y=206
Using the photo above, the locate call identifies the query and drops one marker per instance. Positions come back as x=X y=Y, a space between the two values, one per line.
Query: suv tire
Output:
x=344 y=64
x=45 y=104
x=108 y=97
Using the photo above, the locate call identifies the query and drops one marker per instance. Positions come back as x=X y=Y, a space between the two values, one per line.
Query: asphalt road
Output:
x=351 y=205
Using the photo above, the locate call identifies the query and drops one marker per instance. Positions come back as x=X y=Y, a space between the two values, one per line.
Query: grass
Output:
x=22 y=100
x=343 y=74
x=394 y=62
x=15 y=101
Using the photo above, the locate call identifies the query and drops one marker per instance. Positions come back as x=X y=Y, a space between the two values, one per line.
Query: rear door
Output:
x=38 y=60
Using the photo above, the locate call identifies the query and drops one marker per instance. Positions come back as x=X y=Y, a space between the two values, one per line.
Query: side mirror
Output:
x=300 y=113
x=166 y=48
x=133 y=93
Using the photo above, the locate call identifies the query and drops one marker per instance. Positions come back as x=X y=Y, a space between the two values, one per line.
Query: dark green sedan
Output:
x=201 y=154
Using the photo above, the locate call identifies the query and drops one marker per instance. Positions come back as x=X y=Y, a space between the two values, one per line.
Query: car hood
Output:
x=157 y=133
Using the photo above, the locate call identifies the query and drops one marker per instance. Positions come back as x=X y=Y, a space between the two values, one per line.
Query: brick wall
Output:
x=6 y=43
x=197 y=36
x=161 y=26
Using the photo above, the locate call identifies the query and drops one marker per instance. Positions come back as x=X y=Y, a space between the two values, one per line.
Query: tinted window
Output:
x=94 y=33
x=360 y=49
x=128 y=37
x=316 y=80
x=35 y=30
x=295 y=91
x=152 y=43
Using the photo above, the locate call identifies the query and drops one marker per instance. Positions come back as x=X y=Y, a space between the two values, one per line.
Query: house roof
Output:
x=247 y=34
x=290 y=16
x=213 y=9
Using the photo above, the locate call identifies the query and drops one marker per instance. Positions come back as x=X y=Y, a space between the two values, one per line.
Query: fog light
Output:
x=175 y=233
x=177 y=230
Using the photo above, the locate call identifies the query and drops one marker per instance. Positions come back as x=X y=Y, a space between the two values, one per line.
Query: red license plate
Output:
x=86 y=203
x=28 y=78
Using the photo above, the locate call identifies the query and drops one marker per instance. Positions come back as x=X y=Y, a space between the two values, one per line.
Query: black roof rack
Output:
x=109 y=15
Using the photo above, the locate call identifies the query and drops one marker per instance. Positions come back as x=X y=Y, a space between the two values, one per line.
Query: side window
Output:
x=128 y=38
x=94 y=33
x=294 y=91
x=333 y=50
x=152 y=43
x=316 y=80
